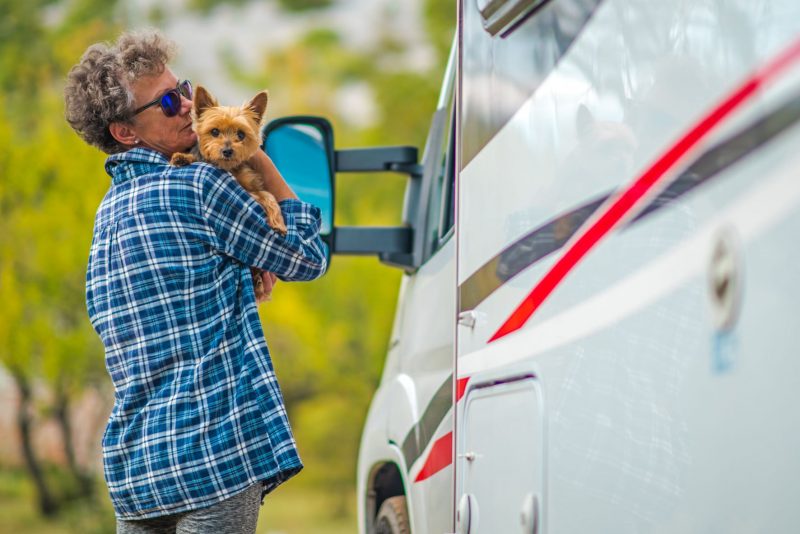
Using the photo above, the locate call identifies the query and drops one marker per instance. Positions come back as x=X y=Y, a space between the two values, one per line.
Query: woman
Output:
x=198 y=433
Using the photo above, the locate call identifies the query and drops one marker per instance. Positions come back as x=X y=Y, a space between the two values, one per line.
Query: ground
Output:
x=289 y=510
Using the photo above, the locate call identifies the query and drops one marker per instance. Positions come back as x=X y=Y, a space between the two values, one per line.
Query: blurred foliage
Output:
x=440 y=23
x=328 y=338
x=303 y=5
x=206 y=6
x=46 y=212
x=46 y=202
x=18 y=516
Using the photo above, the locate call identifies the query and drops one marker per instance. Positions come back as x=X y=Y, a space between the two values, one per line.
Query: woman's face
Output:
x=152 y=127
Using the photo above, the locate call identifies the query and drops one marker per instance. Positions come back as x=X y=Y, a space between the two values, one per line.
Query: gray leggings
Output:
x=235 y=515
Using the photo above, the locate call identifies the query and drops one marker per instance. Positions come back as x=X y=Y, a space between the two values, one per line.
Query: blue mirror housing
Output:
x=302 y=149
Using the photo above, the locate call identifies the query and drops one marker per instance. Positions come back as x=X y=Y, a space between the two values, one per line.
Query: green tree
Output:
x=46 y=207
x=206 y=6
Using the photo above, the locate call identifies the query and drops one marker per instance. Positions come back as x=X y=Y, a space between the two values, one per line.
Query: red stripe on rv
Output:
x=440 y=456
x=461 y=387
x=627 y=201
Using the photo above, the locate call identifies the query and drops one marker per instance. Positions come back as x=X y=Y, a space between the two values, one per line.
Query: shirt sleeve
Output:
x=240 y=226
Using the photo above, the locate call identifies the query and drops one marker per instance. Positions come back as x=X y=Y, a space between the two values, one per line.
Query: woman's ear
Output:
x=123 y=133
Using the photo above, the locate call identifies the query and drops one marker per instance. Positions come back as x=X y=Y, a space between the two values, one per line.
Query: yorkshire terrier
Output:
x=227 y=137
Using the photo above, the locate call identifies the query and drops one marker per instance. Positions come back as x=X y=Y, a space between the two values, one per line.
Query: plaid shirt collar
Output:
x=127 y=165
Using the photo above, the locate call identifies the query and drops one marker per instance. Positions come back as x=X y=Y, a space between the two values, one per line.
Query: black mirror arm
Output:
x=372 y=240
x=401 y=159
x=391 y=244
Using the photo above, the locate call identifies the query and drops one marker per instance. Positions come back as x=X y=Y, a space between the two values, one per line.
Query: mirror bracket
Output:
x=398 y=259
x=412 y=169
x=391 y=244
x=379 y=159
x=367 y=240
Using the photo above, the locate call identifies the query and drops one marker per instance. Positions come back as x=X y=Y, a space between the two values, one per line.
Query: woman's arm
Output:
x=239 y=229
x=273 y=181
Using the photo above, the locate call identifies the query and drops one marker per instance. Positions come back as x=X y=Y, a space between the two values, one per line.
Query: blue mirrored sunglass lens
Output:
x=171 y=103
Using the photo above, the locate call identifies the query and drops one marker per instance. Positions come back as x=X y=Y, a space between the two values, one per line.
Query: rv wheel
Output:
x=393 y=517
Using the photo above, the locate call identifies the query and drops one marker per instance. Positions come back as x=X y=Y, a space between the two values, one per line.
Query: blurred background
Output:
x=373 y=67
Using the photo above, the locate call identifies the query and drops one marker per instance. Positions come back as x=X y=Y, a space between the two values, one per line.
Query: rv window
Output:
x=447 y=213
x=440 y=218
x=439 y=168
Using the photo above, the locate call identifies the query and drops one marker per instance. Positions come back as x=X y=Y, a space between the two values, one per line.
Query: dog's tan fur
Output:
x=227 y=137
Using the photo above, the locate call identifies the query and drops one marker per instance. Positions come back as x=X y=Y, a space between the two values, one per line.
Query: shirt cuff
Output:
x=302 y=212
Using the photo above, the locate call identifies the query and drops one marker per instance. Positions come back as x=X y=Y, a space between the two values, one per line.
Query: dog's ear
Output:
x=259 y=104
x=203 y=100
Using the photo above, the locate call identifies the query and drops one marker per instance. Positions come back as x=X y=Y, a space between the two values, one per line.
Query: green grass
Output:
x=19 y=514
x=294 y=508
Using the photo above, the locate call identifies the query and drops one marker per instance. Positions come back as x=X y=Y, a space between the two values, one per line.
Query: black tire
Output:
x=393 y=517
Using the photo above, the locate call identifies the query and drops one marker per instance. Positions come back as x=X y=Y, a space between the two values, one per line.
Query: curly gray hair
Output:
x=98 y=90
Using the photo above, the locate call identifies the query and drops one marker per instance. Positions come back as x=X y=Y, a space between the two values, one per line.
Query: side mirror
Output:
x=302 y=149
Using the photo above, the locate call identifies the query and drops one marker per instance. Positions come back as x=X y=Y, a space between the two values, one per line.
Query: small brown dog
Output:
x=227 y=137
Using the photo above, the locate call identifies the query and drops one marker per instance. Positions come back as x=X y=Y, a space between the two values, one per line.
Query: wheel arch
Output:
x=385 y=481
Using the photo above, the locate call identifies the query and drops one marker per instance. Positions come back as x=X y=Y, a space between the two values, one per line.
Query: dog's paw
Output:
x=279 y=226
x=180 y=159
x=273 y=211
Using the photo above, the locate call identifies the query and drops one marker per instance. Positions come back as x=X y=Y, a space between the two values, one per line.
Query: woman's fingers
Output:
x=268 y=280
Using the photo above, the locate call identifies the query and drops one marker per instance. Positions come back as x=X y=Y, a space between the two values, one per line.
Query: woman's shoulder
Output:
x=208 y=182
x=198 y=172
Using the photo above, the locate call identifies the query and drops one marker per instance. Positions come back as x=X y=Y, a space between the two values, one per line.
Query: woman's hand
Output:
x=269 y=280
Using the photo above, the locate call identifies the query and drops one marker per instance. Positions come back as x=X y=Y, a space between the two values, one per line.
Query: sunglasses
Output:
x=170 y=101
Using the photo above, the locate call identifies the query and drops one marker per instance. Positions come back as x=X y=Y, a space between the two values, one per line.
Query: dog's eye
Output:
x=215 y=132
x=240 y=135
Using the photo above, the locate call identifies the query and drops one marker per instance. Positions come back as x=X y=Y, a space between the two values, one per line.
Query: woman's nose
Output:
x=186 y=105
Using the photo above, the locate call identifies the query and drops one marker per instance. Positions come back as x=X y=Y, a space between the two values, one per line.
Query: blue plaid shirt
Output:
x=198 y=414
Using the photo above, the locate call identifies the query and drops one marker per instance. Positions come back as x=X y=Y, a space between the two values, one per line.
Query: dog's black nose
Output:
x=227 y=152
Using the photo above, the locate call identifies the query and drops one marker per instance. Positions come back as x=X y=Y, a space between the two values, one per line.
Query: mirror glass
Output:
x=300 y=152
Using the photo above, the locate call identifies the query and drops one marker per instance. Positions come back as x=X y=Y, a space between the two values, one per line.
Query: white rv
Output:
x=598 y=327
